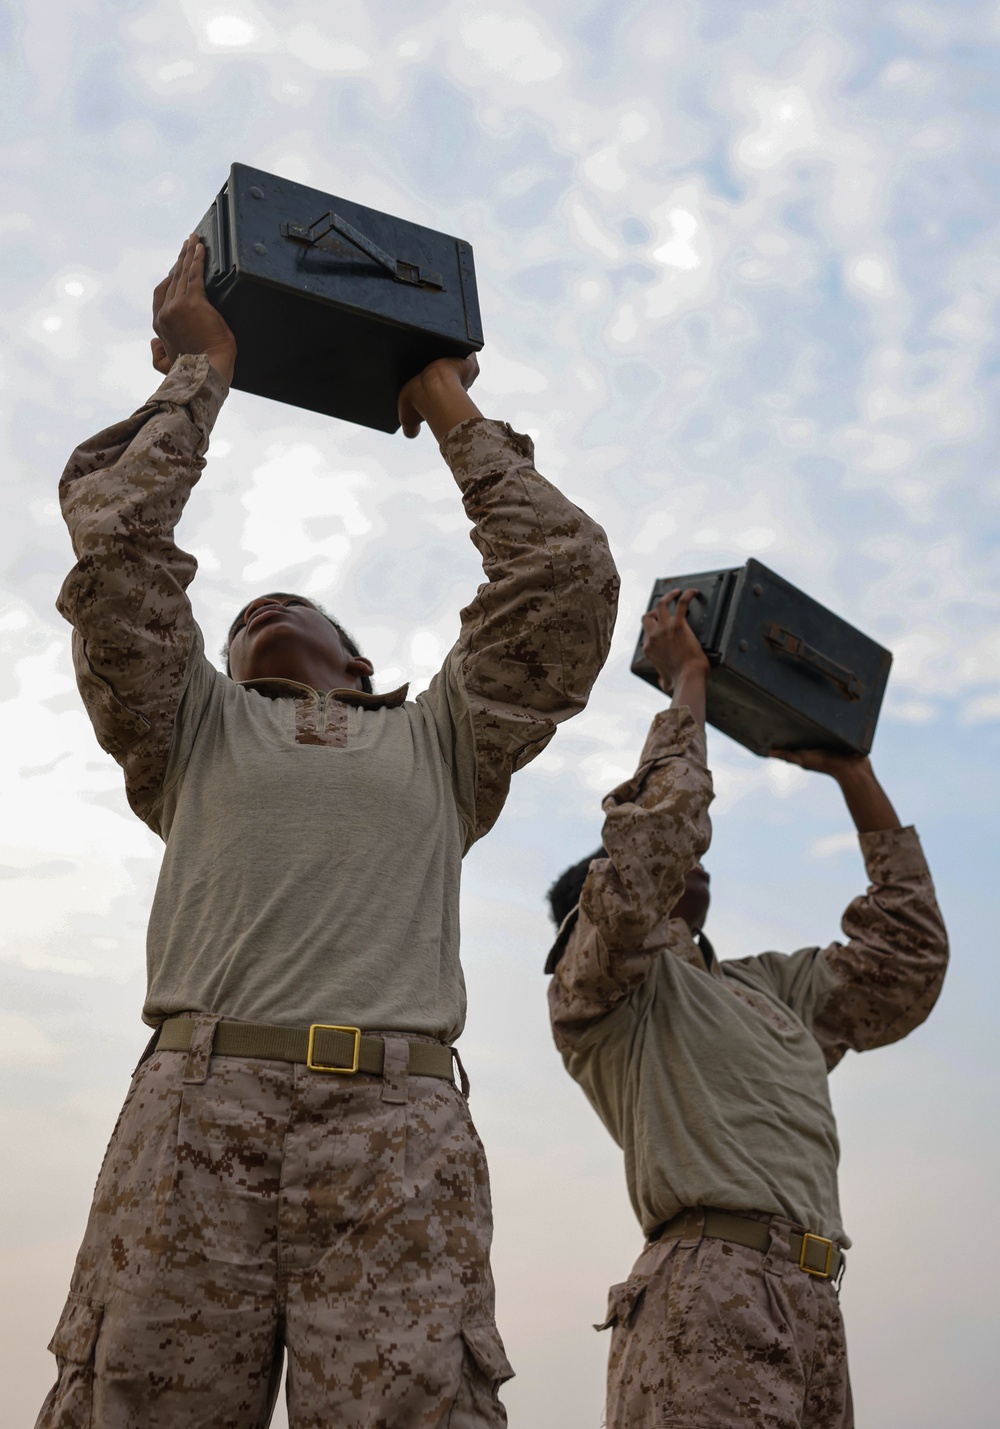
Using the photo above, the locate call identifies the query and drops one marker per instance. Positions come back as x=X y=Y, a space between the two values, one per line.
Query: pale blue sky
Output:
x=738 y=267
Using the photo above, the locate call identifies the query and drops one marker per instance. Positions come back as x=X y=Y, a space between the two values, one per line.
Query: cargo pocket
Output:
x=485 y=1368
x=622 y=1302
x=70 y=1401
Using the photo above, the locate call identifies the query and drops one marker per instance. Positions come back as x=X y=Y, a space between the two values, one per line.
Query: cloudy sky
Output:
x=738 y=268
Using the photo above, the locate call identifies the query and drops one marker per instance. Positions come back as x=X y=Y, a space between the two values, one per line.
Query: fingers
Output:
x=409 y=418
x=161 y=360
x=193 y=263
x=159 y=294
x=188 y=269
x=684 y=602
x=661 y=611
x=817 y=761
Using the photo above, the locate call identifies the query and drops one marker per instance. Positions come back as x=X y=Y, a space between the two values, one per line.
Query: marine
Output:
x=712 y=1076
x=295 y=1170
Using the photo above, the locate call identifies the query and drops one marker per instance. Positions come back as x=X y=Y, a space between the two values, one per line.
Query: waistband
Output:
x=815 y=1254
x=323 y=1047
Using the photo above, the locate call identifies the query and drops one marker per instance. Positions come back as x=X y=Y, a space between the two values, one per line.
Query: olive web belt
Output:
x=322 y=1047
x=814 y=1254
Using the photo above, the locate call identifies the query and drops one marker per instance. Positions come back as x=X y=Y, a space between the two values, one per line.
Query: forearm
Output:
x=445 y=404
x=689 y=690
x=867 y=802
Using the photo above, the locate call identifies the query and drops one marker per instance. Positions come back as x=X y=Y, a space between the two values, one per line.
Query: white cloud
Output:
x=679 y=250
x=276 y=533
x=833 y=845
x=511 y=45
x=229 y=31
x=982 y=710
x=870 y=275
x=786 y=125
x=591 y=231
x=326 y=52
x=683 y=247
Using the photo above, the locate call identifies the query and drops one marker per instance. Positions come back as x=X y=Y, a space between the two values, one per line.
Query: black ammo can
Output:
x=786 y=672
x=333 y=306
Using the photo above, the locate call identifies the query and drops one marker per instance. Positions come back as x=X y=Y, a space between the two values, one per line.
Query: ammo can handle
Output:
x=331 y=222
x=786 y=643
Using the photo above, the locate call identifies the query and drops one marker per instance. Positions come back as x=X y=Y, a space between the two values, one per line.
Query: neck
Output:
x=317 y=674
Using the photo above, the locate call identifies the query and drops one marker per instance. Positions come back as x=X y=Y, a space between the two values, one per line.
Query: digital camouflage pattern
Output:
x=531 y=645
x=260 y=789
x=890 y=971
x=372 y=1260
x=122 y=493
x=713 y=1078
x=886 y=977
x=712 y=1335
x=656 y=828
x=537 y=633
x=348 y=1216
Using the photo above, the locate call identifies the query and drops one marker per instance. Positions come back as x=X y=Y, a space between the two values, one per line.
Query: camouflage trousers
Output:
x=245 y=1206
x=712 y=1335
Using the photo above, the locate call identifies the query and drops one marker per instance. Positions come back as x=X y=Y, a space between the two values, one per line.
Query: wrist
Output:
x=223 y=359
x=855 y=774
x=693 y=672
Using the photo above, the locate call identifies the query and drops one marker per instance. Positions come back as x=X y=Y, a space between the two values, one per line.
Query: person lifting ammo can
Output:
x=712 y=1075
x=294 y=1169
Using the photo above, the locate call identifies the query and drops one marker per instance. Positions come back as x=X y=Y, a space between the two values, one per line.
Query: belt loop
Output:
x=779 y=1251
x=693 y=1228
x=462 y=1073
x=395 y=1067
x=200 y=1051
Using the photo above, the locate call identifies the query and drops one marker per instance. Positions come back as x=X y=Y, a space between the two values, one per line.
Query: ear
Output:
x=358 y=665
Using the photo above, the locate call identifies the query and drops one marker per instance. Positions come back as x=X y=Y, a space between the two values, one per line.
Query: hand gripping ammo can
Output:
x=786 y=672
x=334 y=306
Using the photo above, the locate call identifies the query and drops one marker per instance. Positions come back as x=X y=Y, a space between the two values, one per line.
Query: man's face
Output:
x=693 y=903
x=281 y=636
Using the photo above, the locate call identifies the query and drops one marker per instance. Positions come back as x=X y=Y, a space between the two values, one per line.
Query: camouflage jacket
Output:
x=712 y=1075
x=223 y=771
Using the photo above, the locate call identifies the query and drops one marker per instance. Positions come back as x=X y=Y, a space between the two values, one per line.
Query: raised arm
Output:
x=537 y=633
x=889 y=972
x=656 y=828
x=122 y=494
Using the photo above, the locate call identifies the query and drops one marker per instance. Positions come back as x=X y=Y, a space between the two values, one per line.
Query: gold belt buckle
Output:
x=820 y=1240
x=323 y=1066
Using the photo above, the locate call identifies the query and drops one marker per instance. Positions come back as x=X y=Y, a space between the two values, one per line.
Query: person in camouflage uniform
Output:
x=712 y=1077
x=294 y=1167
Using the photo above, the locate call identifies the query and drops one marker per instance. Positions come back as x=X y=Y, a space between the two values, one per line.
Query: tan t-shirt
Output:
x=314 y=839
x=713 y=1079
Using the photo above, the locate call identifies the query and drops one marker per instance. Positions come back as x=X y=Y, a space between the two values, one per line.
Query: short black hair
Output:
x=348 y=641
x=564 y=894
